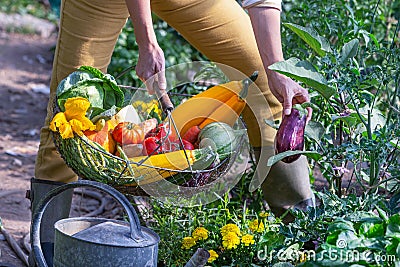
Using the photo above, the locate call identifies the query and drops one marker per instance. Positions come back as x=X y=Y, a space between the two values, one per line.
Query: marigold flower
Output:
x=230 y=227
x=200 y=233
x=303 y=257
x=255 y=226
x=188 y=242
x=213 y=256
x=248 y=239
x=230 y=240
x=73 y=119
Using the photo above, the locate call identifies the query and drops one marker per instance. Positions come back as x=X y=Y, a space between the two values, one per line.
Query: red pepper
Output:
x=186 y=144
x=192 y=134
x=160 y=132
x=151 y=146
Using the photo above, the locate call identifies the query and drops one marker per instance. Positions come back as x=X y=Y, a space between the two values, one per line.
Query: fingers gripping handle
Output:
x=164 y=99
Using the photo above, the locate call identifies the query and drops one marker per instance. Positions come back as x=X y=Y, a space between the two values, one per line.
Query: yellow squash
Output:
x=222 y=103
x=156 y=167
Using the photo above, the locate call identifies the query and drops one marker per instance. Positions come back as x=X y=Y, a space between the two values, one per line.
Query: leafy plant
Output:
x=357 y=132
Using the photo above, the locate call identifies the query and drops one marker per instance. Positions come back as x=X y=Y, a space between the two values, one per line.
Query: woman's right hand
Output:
x=151 y=63
x=150 y=67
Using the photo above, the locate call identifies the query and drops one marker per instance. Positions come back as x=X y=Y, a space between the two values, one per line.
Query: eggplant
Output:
x=290 y=135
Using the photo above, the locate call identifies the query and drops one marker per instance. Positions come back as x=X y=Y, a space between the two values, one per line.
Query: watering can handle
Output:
x=136 y=233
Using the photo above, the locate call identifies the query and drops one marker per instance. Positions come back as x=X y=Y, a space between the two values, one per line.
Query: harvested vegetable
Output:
x=290 y=135
x=192 y=134
x=199 y=108
x=128 y=133
x=100 y=89
x=163 y=165
x=103 y=137
x=221 y=136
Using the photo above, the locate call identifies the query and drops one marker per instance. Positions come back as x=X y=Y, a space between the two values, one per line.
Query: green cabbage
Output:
x=100 y=89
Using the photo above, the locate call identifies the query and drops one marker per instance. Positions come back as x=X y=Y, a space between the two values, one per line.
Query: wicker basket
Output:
x=91 y=162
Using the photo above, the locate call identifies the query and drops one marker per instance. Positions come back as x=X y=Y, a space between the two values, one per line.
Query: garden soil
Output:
x=25 y=68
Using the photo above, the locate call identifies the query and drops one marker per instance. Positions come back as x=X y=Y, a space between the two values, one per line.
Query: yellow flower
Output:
x=303 y=257
x=263 y=214
x=247 y=240
x=230 y=240
x=213 y=256
x=200 y=233
x=254 y=226
x=188 y=242
x=73 y=119
x=76 y=107
x=230 y=227
x=60 y=122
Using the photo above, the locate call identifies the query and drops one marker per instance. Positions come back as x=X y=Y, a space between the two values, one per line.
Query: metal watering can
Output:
x=97 y=242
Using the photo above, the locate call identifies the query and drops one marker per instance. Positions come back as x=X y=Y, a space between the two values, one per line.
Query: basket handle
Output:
x=136 y=233
x=163 y=97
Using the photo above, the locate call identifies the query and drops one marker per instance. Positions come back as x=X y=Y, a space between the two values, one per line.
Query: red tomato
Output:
x=128 y=133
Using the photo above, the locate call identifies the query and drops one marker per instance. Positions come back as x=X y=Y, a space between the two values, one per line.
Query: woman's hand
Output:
x=150 y=67
x=151 y=62
x=288 y=92
x=266 y=27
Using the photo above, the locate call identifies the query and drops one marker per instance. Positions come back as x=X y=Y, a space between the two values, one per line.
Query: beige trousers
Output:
x=220 y=29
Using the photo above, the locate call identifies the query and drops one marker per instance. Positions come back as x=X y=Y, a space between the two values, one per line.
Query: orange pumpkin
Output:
x=103 y=137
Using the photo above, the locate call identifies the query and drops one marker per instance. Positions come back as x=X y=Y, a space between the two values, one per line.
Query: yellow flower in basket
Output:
x=74 y=119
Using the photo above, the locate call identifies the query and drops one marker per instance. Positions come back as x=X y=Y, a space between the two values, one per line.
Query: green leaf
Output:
x=274 y=124
x=369 y=230
x=278 y=157
x=349 y=50
x=393 y=228
x=88 y=89
x=341 y=225
x=363 y=216
x=305 y=72
x=350 y=117
x=314 y=130
x=318 y=43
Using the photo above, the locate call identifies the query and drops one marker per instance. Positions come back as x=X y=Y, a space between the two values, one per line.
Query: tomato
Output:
x=128 y=133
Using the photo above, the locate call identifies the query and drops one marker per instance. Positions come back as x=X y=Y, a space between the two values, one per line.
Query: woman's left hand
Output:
x=288 y=92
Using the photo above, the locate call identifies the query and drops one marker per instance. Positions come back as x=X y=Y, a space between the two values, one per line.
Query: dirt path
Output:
x=25 y=67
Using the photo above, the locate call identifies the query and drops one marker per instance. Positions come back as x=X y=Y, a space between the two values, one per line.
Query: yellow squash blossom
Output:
x=200 y=233
x=230 y=240
x=188 y=242
x=74 y=119
x=248 y=240
x=230 y=227
x=213 y=256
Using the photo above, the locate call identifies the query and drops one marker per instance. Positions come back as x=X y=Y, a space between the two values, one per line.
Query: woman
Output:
x=223 y=32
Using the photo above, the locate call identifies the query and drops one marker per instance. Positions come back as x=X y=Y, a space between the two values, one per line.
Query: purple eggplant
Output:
x=290 y=135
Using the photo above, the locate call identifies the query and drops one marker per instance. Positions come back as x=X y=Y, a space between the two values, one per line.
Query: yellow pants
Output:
x=220 y=29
